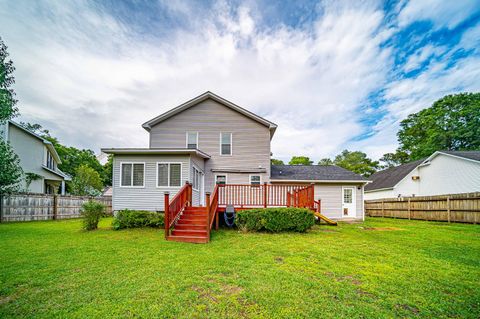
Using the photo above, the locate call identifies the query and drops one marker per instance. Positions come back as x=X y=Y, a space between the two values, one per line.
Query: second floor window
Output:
x=225 y=143
x=192 y=140
x=50 y=161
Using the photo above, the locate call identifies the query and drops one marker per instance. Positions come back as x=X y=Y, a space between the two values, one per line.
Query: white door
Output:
x=349 y=208
x=202 y=189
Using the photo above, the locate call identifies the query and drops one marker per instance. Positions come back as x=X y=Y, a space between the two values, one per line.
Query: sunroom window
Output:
x=169 y=174
x=132 y=174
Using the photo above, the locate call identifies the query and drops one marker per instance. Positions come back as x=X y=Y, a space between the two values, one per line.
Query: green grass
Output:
x=419 y=269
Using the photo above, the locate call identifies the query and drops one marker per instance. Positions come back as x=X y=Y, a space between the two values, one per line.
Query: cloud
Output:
x=93 y=76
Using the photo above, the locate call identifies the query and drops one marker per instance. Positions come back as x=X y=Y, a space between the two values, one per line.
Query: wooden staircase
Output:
x=191 y=226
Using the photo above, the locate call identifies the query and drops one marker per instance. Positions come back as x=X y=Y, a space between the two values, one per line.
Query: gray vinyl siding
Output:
x=150 y=197
x=331 y=197
x=250 y=139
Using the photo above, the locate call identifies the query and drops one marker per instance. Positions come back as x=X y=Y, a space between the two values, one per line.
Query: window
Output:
x=132 y=174
x=196 y=178
x=225 y=143
x=347 y=195
x=192 y=140
x=255 y=180
x=50 y=161
x=169 y=174
x=221 y=179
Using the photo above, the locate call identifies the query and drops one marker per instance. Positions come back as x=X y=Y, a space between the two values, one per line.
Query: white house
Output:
x=444 y=172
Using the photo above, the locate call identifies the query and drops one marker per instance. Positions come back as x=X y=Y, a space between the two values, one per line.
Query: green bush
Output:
x=137 y=218
x=275 y=219
x=92 y=211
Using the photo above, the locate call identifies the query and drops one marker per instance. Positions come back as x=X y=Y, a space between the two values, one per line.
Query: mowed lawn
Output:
x=381 y=268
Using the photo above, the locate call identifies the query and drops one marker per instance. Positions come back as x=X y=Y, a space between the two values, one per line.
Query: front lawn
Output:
x=381 y=268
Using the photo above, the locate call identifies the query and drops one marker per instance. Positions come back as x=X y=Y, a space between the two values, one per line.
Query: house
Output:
x=210 y=141
x=38 y=159
x=444 y=172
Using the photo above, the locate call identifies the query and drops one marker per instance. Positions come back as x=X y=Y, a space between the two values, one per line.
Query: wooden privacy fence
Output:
x=29 y=206
x=462 y=208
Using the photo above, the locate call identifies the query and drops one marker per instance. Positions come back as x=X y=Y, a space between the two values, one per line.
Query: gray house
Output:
x=209 y=140
x=37 y=156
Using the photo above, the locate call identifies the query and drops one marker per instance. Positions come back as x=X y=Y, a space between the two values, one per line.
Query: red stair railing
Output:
x=175 y=207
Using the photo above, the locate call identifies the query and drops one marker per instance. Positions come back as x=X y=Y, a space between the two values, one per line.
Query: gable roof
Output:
x=472 y=155
x=313 y=173
x=47 y=143
x=209 y=95
x=391 y=176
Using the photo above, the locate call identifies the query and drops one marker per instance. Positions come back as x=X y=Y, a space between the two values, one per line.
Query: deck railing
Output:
x=174 y=207
x=265 y=195
x=212 y=205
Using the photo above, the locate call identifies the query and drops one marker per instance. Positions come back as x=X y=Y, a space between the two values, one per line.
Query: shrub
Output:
x=137 y=218
x=91 y=212
x=276 y=219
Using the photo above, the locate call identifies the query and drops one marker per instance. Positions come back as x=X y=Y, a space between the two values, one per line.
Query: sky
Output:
x=333 y=75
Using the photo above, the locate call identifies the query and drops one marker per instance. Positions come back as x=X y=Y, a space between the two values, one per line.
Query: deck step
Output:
x=195 y=212
x=193 y=217
x=192 y=222
x=189 y=239
x=189 y=232
x=190 y=227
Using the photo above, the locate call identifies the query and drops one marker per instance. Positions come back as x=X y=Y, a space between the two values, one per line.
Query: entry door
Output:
x=349 y=208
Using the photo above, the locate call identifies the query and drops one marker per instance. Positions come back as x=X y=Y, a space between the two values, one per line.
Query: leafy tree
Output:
x=7 y=95
x=394 y=159
x=10 y=170
x=108 y=171
x=276 y=162
x=325 y=161
x=300 y=160
x=357 y=162
x=451 y=123
x=86 y=181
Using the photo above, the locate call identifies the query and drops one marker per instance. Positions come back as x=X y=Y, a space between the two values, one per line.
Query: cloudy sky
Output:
x=332 y=75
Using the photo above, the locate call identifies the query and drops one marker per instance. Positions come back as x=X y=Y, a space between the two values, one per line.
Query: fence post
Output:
x=409 y=210
x=383 y=210
x=265 y=194
x=166 y=204
x=448 y=208
x=55 y=206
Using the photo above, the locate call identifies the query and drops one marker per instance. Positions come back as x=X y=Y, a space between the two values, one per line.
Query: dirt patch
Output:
x=408 y=308
x=231 y=290
x=362 y=292
x=347 y=278
x=278 y=260
x=328 y=230
x=381 y=228
x=205 y=294
x=5 y=299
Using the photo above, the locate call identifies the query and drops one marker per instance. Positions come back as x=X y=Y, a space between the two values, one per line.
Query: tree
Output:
x=274 y=161
x=108 y=171
x=451 y=123
x=300 y=160
x=325 y=161
x=7 y=95
x=86 y=181
x=393 y=159
x=357 y=162
x=10 y=170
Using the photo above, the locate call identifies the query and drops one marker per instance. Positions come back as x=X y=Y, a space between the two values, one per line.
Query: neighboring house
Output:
x=37 y=156
x=209 y=140
x=444 y=172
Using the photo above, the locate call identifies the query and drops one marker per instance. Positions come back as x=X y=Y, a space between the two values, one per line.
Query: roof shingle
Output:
x=314 y=173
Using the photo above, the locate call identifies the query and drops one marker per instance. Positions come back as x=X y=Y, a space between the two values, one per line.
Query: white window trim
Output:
x=169 y=186
x=121 y=172
x=226 y=178
x=186 y=138
x=231 y=143
x=200 y=174
x=250 y=179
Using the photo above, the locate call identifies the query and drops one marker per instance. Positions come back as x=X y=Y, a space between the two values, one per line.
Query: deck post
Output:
x=166 y=204
x=216 y=220
x=312 y=195
x=189 y=194
x=265 y=190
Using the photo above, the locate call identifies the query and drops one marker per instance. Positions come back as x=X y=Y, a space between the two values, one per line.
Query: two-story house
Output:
x=38 y=158
x=209 y=140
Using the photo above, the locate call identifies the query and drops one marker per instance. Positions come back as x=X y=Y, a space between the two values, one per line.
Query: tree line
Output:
x=451 y=124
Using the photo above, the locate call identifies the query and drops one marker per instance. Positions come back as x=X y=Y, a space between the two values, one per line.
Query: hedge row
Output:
x=137 y=218
x=275 y=219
